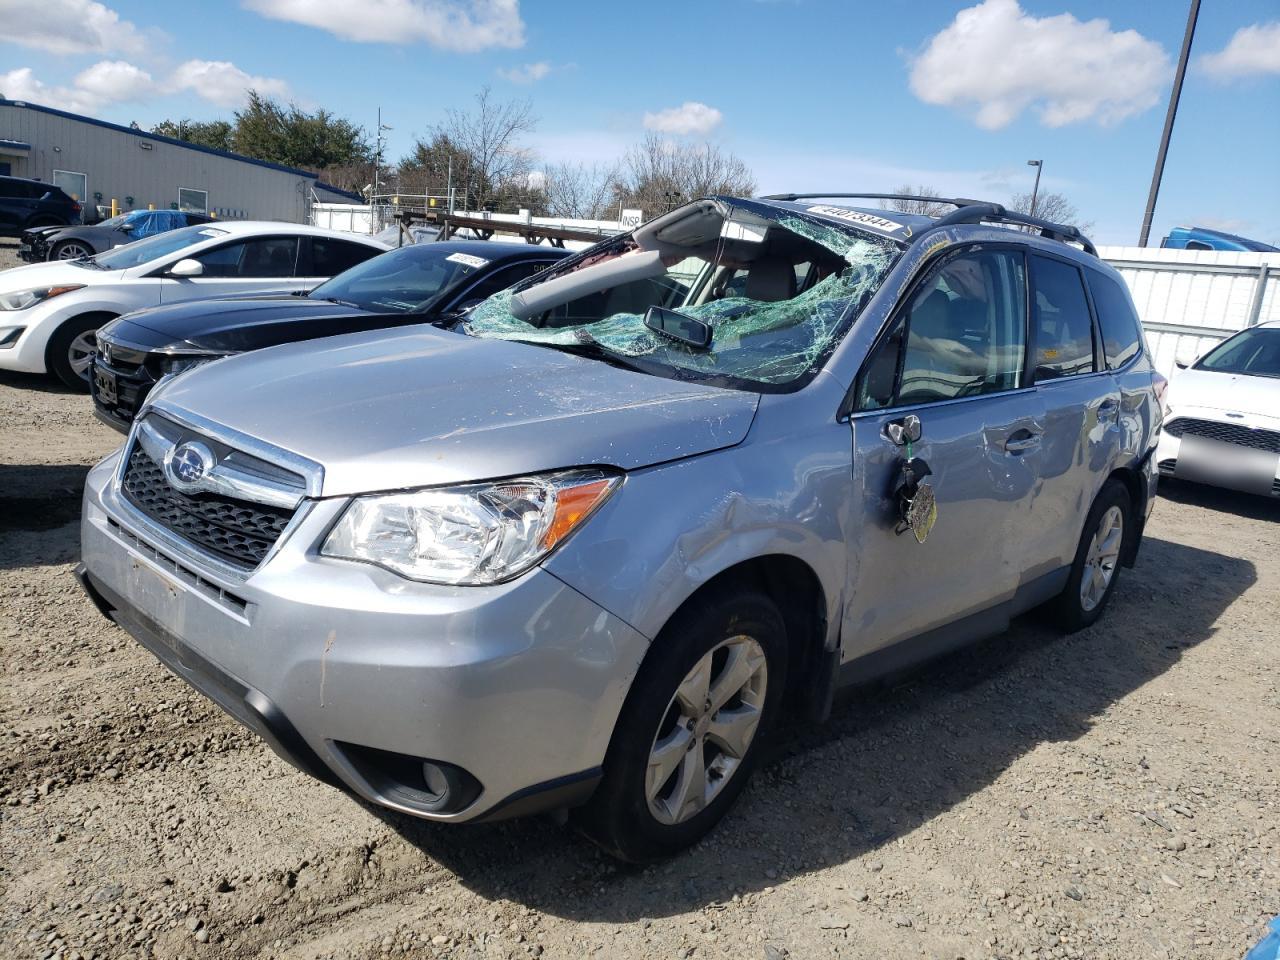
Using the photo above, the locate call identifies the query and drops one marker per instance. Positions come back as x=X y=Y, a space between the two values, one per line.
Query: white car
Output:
x=49 y=312
x=1223 y=422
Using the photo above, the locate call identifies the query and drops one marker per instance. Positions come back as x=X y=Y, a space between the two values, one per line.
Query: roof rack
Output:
x=967 y=211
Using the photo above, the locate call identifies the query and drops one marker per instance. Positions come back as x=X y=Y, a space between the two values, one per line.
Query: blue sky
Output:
x=811 y=94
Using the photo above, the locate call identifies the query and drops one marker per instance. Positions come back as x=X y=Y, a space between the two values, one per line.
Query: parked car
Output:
x=431 y=282
x=72 y=243
x=49 y=312
x=392 y=236
x=584 y=548
x=1203 y=238
x=32 y=203
x=1223 y=426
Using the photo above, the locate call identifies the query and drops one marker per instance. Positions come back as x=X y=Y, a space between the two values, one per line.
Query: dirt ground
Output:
x=1114 y=794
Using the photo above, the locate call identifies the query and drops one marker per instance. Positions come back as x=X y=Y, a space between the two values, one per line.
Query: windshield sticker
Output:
x=858 y=217
x=210 y=232
x=468 y=259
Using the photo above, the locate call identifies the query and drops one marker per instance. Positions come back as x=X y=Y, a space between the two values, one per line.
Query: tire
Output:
x=1076 y=608
x=70 y=250
x=731 y=635
x=67 y=348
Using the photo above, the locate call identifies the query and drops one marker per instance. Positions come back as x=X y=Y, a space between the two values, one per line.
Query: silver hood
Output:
x=419 y=406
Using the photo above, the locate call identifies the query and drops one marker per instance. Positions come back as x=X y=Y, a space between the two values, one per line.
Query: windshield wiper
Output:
x=343 y=303
x=588 y=346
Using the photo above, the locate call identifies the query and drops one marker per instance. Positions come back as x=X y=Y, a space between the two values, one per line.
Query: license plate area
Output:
x=158 y=597
x=1205 y=460
x=104 y=382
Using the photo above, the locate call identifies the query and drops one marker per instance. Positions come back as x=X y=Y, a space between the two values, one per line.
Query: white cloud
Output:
x=690 y=117
x=68 y=26
x=1253 y=50
x=107 y=82
x=464 y=26
x=529 y=73
x=223 y=83
x=999 y=60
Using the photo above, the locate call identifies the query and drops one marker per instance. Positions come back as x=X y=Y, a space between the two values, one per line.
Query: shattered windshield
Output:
x=776 y=288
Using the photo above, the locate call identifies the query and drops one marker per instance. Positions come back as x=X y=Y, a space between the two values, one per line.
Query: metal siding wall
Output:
x=116 y=166
x=1181 y=297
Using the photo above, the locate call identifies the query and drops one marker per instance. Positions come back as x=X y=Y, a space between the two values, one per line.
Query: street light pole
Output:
x=1168 y=123
x=1035 y=191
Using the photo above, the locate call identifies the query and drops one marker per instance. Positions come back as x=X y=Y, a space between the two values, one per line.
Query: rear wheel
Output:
x=1096 y=568
x=70 y=250
x=691 y=729
x=71 y=349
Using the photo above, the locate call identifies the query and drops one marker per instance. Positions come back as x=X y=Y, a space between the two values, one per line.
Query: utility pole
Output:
x=1035 y=191
x=1192 y=15
x=377 y=153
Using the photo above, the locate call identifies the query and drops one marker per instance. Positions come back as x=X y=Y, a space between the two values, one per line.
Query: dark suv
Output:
x=31 y=203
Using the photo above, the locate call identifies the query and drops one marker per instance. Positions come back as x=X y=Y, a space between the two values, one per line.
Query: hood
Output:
x=51 y=273
x=1238 y=393
x=236 y=325
x=421 y=406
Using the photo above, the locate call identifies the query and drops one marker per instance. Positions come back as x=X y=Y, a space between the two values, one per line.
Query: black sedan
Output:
x=72 y=243
x=421 y=283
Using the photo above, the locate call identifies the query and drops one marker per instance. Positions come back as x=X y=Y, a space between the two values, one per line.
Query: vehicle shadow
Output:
x=39 y=514
x=889 y=760
x=1248 y=505
x=39 y=382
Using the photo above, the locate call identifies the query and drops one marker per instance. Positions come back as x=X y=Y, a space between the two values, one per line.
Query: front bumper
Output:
x=1229 y=465
x=331 y=662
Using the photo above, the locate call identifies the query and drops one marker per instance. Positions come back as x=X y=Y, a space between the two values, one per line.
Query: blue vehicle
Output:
x=73 y=242
x=1202 y=238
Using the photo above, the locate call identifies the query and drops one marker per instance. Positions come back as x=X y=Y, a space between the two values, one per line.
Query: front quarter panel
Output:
x=671 y=528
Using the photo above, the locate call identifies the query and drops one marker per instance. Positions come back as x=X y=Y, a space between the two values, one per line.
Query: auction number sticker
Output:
x=858 y=217
x=468 y=259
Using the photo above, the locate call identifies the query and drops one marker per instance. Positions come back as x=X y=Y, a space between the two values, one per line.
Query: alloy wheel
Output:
x=73 y=251
x=80 y=353
x=707 y=729
x=1100 y=562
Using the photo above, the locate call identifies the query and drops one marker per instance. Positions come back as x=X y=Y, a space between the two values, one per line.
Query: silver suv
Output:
x=584 y=549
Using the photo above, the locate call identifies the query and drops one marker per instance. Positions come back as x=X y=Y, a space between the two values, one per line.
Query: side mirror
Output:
x=904 y=431
x=1185 y=355
x=125 y=228
x=187 y=268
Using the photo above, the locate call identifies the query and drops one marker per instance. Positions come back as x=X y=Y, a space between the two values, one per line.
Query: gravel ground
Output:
x=1114 y=794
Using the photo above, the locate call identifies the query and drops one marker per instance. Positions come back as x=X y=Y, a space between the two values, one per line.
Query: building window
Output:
x=193 y=201
x=74 y=185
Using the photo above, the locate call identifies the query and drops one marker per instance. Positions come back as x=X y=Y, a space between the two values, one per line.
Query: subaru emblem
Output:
x=187 y=464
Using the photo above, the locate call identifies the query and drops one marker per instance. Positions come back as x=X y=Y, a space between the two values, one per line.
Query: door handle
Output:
x=1021 y=441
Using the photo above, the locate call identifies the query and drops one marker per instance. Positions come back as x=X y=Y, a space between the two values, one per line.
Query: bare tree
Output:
x=923 y=205
x=1050 y=206
x=660 y=173
x=488 y=137
x=578 y=191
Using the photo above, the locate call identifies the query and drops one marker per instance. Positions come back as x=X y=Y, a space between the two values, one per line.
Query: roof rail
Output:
x=996 y=213
x=790 y=197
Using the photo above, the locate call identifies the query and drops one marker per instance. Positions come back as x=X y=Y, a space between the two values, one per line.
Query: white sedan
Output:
x=1223 y=422
x=49 y=312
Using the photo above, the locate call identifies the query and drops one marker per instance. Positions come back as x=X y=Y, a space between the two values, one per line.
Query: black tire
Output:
x=1069 y=609
x=57 y=354
x=55 y=252
x=618 y=816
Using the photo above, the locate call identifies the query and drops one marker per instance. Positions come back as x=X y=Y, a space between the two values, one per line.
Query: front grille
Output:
x=1235 y=433
x=237 y=531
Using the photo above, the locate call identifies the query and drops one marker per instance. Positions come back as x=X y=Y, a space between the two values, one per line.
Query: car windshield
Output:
x=776 y=287
x=144 y=251
x=402 y=281
x=116 y=220
x=1255 y=353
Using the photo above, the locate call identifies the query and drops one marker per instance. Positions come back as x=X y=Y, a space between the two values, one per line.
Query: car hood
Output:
x=420 y=406
x=52 y=273
x=236 y=325
x=1224 y=391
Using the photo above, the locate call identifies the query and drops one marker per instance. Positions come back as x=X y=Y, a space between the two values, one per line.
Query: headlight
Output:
x=21 y=299
x=474 y=534
x=180 y=362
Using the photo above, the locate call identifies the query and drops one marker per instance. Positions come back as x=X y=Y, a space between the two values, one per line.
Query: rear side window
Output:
x=1060 y=321
x=1121 y=333
x=329 y=257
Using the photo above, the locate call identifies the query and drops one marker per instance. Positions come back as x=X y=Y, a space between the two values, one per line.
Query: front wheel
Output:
x=71 y=350
x=1096 y=568
x=70 y=250
x=691 y=729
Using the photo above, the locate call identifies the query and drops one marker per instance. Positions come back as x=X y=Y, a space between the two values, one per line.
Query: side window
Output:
x=499 y=280
x=329 y=257
x=1061 y=326
x=963 y=334
x=267 y=257
x=1121 y=333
